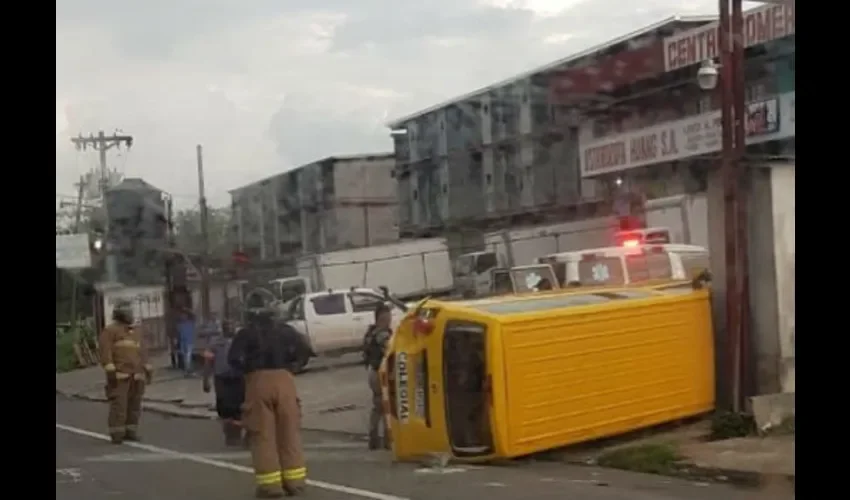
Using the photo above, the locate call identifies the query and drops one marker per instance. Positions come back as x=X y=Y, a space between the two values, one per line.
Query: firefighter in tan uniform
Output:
x=265 y=352
x=124 y=359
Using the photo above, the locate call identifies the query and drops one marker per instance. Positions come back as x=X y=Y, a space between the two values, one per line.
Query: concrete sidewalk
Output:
x=334 y=393
x=746 y=460
x=751 y=461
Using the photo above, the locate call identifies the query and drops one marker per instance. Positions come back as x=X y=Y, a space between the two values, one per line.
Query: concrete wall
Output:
x=311 y=208
x=364 y=226
x=365 y=203
x=365 y=178
x=764 y=347
x=783 y=185
x=770 y=195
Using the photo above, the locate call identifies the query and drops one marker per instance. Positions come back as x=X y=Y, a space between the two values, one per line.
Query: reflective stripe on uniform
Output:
x=294 y=474
x=270 y=478
x=118 y=429
x=122 y=376
x=127 y=343
x=109 y=367
x=132 y=427
x=139 y=376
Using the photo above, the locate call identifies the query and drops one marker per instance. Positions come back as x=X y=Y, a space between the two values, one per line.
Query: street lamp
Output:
x=708 y=75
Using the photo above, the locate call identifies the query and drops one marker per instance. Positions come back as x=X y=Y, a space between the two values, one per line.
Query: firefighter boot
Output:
x=269 y=491
x=131 y=436
x=117 y=438
x=294 y=491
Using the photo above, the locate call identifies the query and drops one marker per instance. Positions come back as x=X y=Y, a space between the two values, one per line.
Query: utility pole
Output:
x=733 y=118
x=205 y=240
x=78 y=212
x=742 y=240
x=103 y=143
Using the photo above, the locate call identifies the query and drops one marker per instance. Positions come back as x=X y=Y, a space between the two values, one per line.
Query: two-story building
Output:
x=334 y=203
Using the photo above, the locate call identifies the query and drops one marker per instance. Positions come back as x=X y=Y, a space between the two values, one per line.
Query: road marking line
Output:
x=227 y=465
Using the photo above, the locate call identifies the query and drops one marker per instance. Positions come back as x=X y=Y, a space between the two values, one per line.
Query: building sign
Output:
x=147 y=301
x=72 y=251
x=766 y=120
x=761 y=25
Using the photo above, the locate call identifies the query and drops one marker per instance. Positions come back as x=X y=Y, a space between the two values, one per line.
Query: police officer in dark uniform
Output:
x=266 y=351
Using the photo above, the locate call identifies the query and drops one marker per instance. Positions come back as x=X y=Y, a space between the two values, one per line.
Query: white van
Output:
x=628 y=264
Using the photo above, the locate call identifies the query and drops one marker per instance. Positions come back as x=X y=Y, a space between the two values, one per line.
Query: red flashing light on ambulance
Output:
x=639 y=237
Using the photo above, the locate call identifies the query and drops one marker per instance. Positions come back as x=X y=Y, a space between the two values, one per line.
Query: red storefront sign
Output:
x=764 y=24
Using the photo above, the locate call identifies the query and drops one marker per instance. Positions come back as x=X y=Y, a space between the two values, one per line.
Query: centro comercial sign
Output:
x=761 y=25
x=767 y=120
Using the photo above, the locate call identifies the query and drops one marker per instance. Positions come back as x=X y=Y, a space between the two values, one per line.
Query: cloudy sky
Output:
x=265 y=85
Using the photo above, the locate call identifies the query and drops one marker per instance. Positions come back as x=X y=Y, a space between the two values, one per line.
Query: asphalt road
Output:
x=182 y=459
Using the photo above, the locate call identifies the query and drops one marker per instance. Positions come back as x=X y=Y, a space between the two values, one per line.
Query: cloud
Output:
x=273 y=84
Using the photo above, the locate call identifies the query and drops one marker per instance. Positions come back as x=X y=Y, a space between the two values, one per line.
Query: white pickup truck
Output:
x=334 y=321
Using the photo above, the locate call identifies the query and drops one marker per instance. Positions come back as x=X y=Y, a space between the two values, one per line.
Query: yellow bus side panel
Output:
x=579 y=376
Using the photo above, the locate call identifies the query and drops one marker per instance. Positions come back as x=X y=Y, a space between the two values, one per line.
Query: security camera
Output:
x=708 y=75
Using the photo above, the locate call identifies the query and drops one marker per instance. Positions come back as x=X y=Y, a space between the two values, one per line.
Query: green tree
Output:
x=187 y=229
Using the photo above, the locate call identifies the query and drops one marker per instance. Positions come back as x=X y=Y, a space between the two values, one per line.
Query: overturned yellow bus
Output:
x=510 y=376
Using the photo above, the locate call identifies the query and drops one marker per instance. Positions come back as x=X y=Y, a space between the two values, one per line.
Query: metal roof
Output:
x=554 y=65
x=329 y=159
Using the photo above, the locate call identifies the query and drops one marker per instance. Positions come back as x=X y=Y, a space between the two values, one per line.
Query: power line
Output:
x=102 y=144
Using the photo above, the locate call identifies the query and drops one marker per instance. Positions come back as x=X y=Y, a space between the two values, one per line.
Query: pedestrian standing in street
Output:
x=266 y=352
x=374 y=348
x=124 y=359
x=186 y=326
x=229 y=385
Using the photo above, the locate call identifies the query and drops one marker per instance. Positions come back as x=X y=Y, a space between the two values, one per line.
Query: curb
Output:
x=692 y=471
x=746 y=479
x=154 y=407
